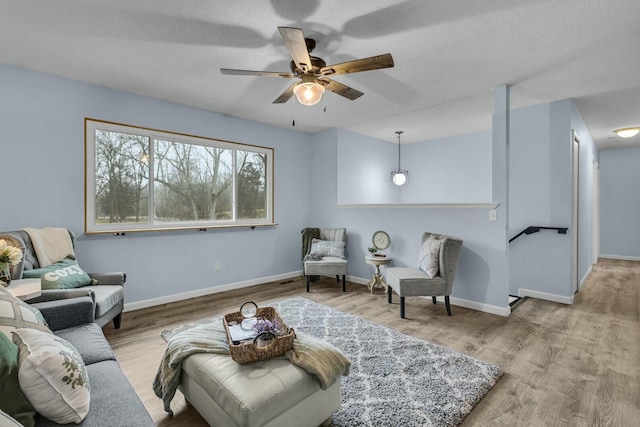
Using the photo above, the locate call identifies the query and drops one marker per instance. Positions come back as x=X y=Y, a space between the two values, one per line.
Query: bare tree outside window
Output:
x=197 y=182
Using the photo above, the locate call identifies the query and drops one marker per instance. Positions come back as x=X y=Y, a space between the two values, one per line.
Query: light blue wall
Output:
x=41 y=147
x=620 y=203
x=364 y=169
x=445 y=170
x=481 y=274
x=41 y=151
x=541 y=194
x=448 y=170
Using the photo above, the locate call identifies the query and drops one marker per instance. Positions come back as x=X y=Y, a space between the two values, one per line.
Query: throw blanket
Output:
x=308 y=234
x=50 y=244
x=319 y=358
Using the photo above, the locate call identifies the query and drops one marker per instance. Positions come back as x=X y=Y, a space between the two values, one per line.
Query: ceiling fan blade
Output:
x=340 y=89
x=286 y=95
x=372 y=63
x=295 y=43
x=234 y=72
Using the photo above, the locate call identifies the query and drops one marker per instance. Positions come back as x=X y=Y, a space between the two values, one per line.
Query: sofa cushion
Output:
x=65 y=274
x=15 y=313
x=114 y=402
x=13 y=401
x=107 y=297
x=52 y=375
x=89 y=340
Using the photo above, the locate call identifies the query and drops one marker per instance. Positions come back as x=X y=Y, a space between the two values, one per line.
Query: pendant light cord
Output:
x=399 y=132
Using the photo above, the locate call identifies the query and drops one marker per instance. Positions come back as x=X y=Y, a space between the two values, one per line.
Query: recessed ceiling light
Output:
x=627 y=132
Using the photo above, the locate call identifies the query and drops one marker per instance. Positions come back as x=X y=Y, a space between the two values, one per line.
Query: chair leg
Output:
x=446 y=301
x=344 y=284
x=307 y=283
x=117 y=321
x=389 y=291
x=402 y=307
x=337 y=278
x=433 y=299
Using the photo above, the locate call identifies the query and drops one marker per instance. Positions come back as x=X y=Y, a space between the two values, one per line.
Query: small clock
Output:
x=381 y=240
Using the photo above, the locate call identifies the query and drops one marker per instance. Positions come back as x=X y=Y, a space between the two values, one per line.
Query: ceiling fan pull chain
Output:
x=324 y=103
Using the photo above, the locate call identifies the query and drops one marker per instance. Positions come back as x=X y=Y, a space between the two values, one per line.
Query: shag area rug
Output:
x=395 y=379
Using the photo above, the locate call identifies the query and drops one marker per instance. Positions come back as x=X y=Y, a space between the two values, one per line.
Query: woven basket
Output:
x=247 y=351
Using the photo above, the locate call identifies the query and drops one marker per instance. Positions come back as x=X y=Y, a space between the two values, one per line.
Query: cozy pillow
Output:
x=327 y=248
x=13 y=402
x=15 y=313
x=7 y=421
x=52 y=376
x=65 y=274
x=429 y=257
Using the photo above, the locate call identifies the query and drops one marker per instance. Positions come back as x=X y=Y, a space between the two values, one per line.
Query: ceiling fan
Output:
x=313 y=71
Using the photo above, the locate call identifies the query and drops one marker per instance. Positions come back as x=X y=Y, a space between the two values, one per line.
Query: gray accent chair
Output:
x=409 y=282
x=327 y=266
x=108 y=294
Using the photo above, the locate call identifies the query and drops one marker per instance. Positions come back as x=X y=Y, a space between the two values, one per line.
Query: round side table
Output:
x=376 y=279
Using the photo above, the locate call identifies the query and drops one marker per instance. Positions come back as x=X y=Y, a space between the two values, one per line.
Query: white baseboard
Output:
x=545 y=296
x=137 y=305
x=621 y=257
x=584 y=278
x=479 y=306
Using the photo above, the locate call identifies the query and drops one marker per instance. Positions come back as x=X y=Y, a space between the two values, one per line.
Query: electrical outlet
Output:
x=493 y=215
x=218 y=266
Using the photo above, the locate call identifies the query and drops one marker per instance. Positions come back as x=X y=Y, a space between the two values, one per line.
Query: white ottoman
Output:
x=269 y=393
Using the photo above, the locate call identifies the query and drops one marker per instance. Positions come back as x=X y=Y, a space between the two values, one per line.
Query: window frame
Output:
x=92 y=227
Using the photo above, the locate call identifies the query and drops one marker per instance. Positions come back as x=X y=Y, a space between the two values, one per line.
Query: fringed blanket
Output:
x=322 y=360
x=51 y=244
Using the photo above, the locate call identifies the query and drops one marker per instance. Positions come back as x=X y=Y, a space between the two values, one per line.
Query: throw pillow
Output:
x=65 y=274
x=52 y=376
x=327 y=248
x=15 y=313
x=8 y=421
x=13 y=401
x=429 y=257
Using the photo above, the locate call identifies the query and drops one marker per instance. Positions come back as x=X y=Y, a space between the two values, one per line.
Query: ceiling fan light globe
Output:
x=308 y=93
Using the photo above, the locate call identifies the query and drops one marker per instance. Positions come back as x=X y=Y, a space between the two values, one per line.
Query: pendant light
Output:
x=400 y=176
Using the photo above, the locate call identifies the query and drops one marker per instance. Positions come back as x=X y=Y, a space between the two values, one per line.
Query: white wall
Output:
x=41 y=148
x=620 y=203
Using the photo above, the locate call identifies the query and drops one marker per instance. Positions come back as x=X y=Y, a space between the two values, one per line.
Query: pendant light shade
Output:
x=399 y=177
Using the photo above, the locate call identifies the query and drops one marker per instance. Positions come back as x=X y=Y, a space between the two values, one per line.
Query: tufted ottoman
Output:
x=269 y=393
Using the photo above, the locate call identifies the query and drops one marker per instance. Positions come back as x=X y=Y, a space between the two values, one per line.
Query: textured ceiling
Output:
x=449 y=56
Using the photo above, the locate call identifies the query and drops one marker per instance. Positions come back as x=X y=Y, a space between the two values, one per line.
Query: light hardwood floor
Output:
x=564 y=365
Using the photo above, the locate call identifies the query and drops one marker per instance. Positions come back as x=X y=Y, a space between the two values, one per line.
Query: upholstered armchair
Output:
x=324 y=253
x=436 y=272
x=105 y=289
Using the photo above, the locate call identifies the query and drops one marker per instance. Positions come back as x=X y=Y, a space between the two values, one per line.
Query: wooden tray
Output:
x=245 y=352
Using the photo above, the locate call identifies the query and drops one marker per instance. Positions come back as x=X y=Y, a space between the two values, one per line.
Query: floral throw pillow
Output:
x=52 y=375
x=429 y=258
